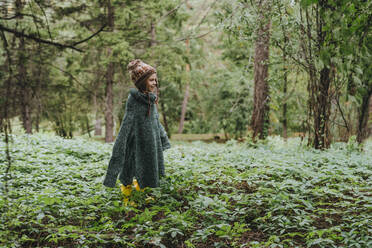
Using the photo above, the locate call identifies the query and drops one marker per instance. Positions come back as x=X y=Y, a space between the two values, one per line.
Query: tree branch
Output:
x=196 y=37
x=37 y=39
x=90 y=37
x=46 y=19
x=48 y=42
x=337 y=99
x=276 y=43
x=170 y=12
x=18 y=15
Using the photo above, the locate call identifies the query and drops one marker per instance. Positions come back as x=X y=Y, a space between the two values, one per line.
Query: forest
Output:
x=237 y=68
x=267 y=105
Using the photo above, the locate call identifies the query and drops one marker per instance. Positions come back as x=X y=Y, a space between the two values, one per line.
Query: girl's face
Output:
x=151 y=83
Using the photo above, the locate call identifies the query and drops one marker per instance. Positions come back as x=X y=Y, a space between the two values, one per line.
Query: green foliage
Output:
x=67 y=88
x=352 y=145
x=279 y=194
x=239 y=21
x=231 y=102
x=346 y=49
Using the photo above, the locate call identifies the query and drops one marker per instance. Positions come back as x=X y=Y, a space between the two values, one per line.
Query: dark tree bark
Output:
x=260 y=116
x=109 y=119
x=322 y=111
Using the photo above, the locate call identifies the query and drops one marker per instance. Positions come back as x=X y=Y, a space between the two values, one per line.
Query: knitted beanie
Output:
x=139 y=72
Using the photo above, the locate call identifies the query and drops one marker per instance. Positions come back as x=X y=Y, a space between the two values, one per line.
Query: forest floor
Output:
x=278 y=194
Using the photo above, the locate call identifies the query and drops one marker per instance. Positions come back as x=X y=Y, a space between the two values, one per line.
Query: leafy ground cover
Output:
x=215 y=195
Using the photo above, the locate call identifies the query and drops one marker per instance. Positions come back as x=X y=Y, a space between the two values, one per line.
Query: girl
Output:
x=139 y=146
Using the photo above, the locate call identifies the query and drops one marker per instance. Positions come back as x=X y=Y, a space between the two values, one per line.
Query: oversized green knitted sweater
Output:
x=139 y=146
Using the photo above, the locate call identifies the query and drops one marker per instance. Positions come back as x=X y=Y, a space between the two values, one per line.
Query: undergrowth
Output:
x=276 y=194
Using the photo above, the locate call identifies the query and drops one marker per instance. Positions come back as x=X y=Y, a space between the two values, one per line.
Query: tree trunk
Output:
x=369 y=121
x=285 y=82
x=285 y=72
x=5 y=121
x=187 y=92
x=365 y=113
x=24 y=89
x=321 y=102
x=260 y=116
x=184 y=107
x=109 y=119
x=25 y=94
x=153 y=43
x=38 y=114
x=97 y=126
x=96 y=105
x=37 y=75
x=153 y=34
x=322 y=111
x=165 y=119
x=284 y=121
x=87 y=125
